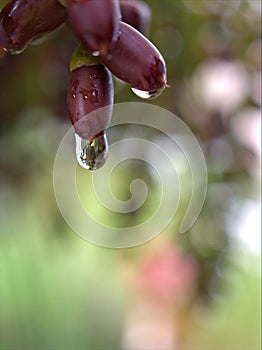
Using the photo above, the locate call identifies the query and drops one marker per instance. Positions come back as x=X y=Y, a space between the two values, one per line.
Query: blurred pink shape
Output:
x=166 y=273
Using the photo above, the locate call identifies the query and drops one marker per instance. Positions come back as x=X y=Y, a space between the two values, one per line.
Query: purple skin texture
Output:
x=90 y=89
x=137 y=14
x=135 y=60
x=3 y=41
x=25 y=20
x=95 y=23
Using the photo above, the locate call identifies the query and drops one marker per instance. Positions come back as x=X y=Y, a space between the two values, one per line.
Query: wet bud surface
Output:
x=26 y=20
x=135 y=60
x=3 y=40
x=95 y=23
x=137 y=14
x=90 y=89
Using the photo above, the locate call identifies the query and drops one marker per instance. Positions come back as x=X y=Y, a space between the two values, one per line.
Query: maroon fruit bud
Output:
x=136 y=13
x=3 y=41
x=26 y=20
x=90 y=89
x=135 y=60
x=95 y=22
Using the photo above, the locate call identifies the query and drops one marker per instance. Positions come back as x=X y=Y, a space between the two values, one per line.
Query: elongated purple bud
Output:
x=3 y=40
x=137 y=14
x=95 y=23
x=26 y=20
x=135 y=60
x=90 y=89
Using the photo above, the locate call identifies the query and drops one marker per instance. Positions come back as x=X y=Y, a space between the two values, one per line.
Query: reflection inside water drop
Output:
x=92 y=154
x=148 y=95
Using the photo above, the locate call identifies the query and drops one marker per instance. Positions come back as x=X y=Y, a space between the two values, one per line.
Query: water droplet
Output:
x=92 y=154
x=14 y=52
x=93 y=76
x=148 y=95
x=96 y=53
x=90 y=95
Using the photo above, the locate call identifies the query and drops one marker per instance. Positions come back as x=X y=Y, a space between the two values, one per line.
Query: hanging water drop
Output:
x=148 y=95
x=92 y=154
x=14 y=52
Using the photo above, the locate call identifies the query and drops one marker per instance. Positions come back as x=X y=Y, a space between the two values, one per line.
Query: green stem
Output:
x=81 y=58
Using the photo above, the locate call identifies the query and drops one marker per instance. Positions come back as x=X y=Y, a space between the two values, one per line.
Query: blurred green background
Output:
x=200 y=290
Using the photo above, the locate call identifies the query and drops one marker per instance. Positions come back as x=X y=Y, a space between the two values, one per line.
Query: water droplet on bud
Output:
x=92 y=154
x=14 y=52
x=96 y=53
x=147 y=95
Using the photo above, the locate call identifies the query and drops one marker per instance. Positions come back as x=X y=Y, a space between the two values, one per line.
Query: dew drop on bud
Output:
x=91 y=154
x=147 y=95
x=96 y=53
x=14 y=52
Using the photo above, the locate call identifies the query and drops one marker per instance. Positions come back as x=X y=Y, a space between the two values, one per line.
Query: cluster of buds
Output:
x=112 y=40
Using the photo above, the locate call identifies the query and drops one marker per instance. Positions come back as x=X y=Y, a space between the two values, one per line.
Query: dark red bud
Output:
x=135 y=60
x=137 y=14
x=90 y=89
x=26 y=20
x=3 y=41
x=95 y=22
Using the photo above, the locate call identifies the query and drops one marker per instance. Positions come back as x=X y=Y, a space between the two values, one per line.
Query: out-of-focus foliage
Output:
x=59 y=292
